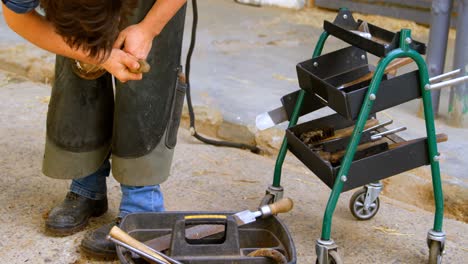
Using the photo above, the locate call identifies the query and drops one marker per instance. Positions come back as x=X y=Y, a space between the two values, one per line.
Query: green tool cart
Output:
x=320 y=80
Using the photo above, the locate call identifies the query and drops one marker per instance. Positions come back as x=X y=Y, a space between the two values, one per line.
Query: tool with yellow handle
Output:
x=242 y=218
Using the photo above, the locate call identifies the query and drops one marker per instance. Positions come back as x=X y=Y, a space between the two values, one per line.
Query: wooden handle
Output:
x=345 y=132
x=439 y=138
x=144 y=67
x=335 y=157
x=282 y=206
x=395 y=64
x=123 y=237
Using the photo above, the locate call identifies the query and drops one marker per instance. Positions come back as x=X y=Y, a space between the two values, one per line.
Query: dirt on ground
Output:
x=415 y=187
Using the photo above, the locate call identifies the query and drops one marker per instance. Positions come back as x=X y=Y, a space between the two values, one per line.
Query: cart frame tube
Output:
x=403 y=51
x=295 y=116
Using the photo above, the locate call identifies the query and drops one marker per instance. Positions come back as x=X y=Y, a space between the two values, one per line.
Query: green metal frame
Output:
x=295 y=116
x=403 y=51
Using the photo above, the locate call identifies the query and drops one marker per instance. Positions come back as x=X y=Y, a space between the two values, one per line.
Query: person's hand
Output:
x=119 y=63
x=135 y=40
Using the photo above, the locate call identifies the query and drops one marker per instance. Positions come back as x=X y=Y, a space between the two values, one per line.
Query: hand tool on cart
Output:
x=278 y=115
x=394 y=65
x=123 y=239
x=242 y=218
x=373 y=145
x=372 y=148
x=439 y=139
x=385 y=133
x=363 y=30
x=316 y=136
x=336 y=144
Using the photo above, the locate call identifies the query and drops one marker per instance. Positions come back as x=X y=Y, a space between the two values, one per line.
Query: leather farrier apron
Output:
x=85 y=124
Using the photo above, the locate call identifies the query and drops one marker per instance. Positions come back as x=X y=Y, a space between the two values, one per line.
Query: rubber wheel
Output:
x=356 y=206
x=267 y=199
x=333 y=258
x=435 y=256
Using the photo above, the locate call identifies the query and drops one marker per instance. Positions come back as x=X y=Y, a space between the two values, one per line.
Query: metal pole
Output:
x=440 y=23
x=295 y=116
x=458 y=104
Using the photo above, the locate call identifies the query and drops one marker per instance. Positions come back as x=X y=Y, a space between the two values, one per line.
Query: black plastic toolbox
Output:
x=232 y=247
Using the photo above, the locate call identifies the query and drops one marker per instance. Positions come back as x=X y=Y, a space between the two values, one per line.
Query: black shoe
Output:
x=96 y=244
x=73 y=213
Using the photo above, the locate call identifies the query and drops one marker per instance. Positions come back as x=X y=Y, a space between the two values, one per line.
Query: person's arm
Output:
x=137 y=39
x=37 y=30
x=160 y=14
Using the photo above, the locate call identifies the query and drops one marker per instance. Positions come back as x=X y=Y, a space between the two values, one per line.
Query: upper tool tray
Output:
x=332 y=78
x=381 y=42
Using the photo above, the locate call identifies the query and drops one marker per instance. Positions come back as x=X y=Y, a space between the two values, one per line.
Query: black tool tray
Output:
x=324 y=75
x=237 y=244
x=363 y=171
x=381 y=43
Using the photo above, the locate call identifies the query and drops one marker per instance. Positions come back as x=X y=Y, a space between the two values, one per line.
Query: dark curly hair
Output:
x=90 y=25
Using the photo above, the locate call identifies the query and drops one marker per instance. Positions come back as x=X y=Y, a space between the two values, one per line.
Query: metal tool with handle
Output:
x=338 y=143
x=282 y=206
x=388 y=132
x=394 y=65
x=369 y=134
x=242 y=218
x=123 y=239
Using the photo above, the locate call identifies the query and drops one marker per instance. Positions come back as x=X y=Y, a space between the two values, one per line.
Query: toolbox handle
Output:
x=203 y=226
x=193 y=241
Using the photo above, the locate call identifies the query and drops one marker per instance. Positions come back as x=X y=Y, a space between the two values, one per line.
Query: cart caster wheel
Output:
x=333 y=258
x=267 y=199
x=435 y=254
x=356 y=205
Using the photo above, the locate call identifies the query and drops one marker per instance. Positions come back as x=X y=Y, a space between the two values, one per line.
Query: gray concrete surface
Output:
x=244 y=62
x=203 y=178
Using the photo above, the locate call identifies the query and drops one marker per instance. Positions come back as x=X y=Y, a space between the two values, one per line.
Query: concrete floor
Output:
x=203 y=178
x=244 y=62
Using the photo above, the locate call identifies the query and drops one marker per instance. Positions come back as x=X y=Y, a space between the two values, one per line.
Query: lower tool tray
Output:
x=232 y=247
x=405 y=155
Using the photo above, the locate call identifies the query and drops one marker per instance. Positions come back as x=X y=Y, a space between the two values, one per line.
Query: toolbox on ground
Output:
x=231 y=246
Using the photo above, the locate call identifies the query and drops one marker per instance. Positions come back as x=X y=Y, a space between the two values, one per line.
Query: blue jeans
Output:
x=134 y=198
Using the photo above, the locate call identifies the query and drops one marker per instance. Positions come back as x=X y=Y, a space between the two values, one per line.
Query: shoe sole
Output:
x=99 y=255
x=54 y=231
x=66 y=231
